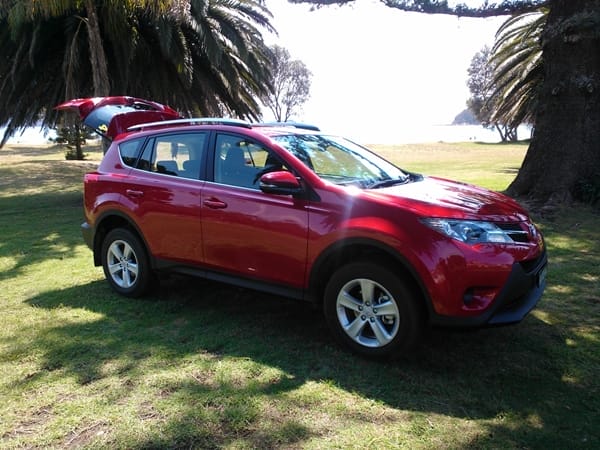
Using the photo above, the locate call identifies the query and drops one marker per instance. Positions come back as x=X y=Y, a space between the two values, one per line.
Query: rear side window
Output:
x=177 y=155
x=130 y=151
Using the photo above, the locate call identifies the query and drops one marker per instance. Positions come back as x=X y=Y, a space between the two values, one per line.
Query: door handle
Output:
x=215 y=203
x=133 y=193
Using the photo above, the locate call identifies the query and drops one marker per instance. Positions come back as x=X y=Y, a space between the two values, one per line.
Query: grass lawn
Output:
x=202 y=365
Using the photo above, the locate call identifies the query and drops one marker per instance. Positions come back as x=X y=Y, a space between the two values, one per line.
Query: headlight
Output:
x=469 y=231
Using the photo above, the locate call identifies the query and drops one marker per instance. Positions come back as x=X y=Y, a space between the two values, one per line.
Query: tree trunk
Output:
x=500 y=132
x=97 y=55
x=564 y=153
x=78 y=143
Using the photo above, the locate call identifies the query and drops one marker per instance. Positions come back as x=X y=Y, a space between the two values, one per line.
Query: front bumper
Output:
x=521 y=293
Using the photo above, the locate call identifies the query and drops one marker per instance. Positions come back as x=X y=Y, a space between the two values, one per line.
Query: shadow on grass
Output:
x=510 y=170
x=524 y=142
x=38 y=228
x=41 y=208
x=513 y=379
x=532 y=385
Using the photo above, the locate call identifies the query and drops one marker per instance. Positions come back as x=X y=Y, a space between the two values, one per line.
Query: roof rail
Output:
x=192 y=121
x=304 y=126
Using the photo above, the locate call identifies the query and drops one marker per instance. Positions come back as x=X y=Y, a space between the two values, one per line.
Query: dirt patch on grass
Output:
x=32 y=424
x=80 y=437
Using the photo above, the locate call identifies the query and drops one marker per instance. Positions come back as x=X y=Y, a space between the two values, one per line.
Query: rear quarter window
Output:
x=130 y=151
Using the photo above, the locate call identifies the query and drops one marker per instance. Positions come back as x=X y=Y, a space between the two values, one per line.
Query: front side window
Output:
x=240 y=162
x=178 y=155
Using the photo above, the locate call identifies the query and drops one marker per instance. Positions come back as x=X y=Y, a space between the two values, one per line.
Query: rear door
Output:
x=247 y=232
x=163 y=192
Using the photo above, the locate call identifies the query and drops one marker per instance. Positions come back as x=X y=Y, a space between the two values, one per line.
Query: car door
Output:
x=247 y=232
x=164 y=190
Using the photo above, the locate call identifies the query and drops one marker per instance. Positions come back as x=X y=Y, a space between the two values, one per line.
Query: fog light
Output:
x=479 y=297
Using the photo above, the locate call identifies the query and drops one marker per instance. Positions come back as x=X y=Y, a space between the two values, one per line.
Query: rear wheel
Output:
x=125 y=263
x=372 y=311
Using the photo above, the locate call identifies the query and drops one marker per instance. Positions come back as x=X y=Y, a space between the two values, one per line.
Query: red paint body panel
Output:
x=255 y=235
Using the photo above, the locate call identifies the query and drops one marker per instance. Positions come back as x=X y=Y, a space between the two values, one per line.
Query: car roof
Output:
x=267 y=127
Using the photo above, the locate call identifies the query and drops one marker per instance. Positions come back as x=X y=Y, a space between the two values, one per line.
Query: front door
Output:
x=247 y=232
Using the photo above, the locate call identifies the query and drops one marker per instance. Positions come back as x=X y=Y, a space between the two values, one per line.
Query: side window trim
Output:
x=148 y=145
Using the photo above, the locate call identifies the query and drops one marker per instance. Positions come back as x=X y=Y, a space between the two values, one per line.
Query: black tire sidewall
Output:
x=144 y=275
x=410 y=317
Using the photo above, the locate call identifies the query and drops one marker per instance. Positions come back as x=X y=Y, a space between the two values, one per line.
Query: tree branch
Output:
x=488 y=9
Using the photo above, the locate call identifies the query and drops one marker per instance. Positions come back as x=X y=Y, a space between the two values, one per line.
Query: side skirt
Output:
x=234 y=280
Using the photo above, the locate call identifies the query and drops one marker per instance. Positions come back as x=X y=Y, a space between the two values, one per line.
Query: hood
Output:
x=111 y=116
x=437 y=197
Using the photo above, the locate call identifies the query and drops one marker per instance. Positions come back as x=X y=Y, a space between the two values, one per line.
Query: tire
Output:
x=125 y=263
x=371 y=311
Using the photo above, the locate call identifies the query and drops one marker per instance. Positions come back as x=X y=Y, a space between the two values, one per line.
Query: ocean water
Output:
x=437 y=133
x=399 y=135
x=30 y=136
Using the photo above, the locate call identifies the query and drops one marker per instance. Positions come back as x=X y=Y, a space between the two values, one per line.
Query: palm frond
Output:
x=200 y=56
x=518 y=68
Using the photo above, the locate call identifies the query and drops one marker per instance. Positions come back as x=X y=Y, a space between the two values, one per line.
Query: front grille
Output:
x=515 y=231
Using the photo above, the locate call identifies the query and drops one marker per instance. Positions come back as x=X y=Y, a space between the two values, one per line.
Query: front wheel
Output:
x=372 y=311
x=125 y=263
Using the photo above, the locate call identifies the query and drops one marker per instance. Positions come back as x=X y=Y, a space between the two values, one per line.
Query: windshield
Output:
x=341 y=161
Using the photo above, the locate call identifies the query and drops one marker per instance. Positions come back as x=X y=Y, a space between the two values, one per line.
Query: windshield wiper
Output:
x=388 y=183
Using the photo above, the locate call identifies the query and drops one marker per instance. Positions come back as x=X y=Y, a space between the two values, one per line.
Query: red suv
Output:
x=287 y=209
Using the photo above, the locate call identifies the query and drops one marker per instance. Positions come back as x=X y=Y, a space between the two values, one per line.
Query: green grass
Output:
x=490 y=165
x=203 y=365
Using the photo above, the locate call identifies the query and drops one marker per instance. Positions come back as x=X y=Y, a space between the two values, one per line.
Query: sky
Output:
x=380 y=75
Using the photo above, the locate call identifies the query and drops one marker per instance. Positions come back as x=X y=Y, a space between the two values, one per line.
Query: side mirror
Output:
x=280 y=183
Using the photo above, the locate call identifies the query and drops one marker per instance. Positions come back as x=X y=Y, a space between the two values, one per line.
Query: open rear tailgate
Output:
x=111 y=116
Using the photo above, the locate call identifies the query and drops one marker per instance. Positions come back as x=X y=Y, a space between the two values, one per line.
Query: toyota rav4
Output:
x=287 y=209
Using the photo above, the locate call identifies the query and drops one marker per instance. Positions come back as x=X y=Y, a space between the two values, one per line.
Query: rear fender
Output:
x=109 y=220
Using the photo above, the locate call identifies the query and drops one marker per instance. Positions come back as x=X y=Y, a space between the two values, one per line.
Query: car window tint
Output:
x=179 y=155
x=240 y=162
x=130 y=151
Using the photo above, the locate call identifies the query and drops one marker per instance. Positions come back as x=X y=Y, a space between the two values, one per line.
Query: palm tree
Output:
x=202 y=56
x=213 y=51
x=23 y=11
x=518 y=68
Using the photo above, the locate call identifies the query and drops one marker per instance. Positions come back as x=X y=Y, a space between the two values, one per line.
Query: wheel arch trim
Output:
x=101 y=229
x=325 y=264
